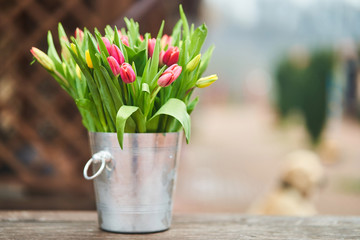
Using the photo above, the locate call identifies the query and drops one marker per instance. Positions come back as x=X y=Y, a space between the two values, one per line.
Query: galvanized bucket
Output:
x=134 y=186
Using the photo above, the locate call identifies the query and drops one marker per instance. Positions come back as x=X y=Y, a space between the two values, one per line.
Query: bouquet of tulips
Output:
x=126 y=82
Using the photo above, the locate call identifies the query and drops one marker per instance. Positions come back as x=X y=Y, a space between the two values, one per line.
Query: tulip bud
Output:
x=114 y=65
x=141 y=37
x=117 y=54
x=43 y=59
x=79 y=35
x=127 y=73
x=78 y=71
x=206 y=81
x=73 y=47
x=171 y=56
x=125 y=40
x=88 y=59
x=193 y=63
x=107 y=44
x=169 y=75
x=64 y=50
x=151 y=46
x=165 y=41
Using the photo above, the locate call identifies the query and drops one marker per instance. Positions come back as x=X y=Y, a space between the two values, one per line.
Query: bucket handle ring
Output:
x=104 y=157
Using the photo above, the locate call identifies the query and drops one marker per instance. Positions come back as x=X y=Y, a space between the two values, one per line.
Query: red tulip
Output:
x=117 y=54
x=79 y=35
x=107 y=44
x=151 y=46
x=171 y=56
x=114 y=65
x=127 y=73
x=169 y=75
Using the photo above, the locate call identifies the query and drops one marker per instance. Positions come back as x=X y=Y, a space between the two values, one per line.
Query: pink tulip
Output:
x=107 y=44
x=141 y=37
x=165 y=41
x=151 y=46
x=127 y=73
x=161 y=55
x=117 y=54
x=169 y=75
x=114 y=65
x=125 y=40
x=79 y=35
x=171 y=56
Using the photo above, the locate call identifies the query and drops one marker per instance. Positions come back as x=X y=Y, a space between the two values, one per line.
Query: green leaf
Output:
x=205 y=60
x=176 y=109
x=61 y=31
x=52 y=52
x=122 y=116
x=89 y=106
x=109 y=32
x=197 y=40
x=114 y=91
x=184 y=23
x=105 y=93
x=192 y=105
x=176 y=33
x=145 y=88
x=160 y=33
x=92 y=87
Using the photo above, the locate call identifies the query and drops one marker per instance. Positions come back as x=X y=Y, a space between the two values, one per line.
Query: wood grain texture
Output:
x=83 y=225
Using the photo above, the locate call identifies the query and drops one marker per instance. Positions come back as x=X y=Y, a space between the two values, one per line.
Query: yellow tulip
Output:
x=73 y=47
x=78 y=71
x=193 y=63
x=206 y=81
x=88 y=59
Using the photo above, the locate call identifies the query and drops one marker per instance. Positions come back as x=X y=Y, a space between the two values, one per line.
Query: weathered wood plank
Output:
x=83 y=225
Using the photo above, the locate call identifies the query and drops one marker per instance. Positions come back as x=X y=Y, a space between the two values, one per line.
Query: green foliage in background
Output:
x=302 y=86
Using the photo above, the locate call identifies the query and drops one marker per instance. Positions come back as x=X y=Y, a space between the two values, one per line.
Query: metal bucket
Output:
x=134 y=186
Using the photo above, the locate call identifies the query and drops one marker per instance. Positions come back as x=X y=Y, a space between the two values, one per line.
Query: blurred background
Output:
x=289 y=79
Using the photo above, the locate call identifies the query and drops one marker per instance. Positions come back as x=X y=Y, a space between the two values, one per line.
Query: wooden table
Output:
x=83 y=225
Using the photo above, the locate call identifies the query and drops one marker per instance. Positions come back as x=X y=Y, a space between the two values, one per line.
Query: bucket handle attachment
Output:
x=103 y=157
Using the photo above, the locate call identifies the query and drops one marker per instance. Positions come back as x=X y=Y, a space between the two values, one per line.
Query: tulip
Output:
x=78 y=71
x=79 y=35
x=127 y=73
x=117 y=54
x=88 y=59
x=43 y=59
x=169 y=75
x=64 y=50
x=193 y=63
x=141 y=37
x=73 y=47
x=125 y=40
x=107 y=44
x=114 y=65
x=151 y=46
x=161 y=55
x=171 y=56
x=206 y=81
x=165 y=41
